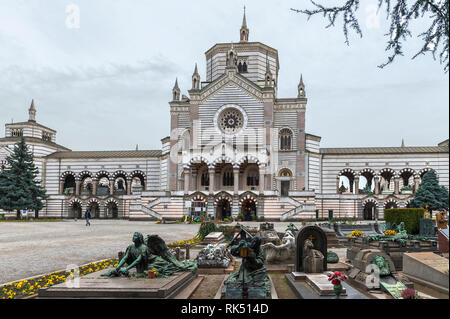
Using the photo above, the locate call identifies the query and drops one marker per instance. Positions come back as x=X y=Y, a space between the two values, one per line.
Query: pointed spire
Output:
x=301 y=88
x=137 y=147
x=403 y=143
x=244 y=20
x=176 y=91
x=32 y=112
x=244 y=32
x=196 y=79
x=195 y=70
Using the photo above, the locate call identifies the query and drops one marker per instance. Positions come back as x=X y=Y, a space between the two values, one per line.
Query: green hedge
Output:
x=410 y=216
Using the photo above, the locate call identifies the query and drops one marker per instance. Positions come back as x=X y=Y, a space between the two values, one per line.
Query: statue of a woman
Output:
x=136 y=255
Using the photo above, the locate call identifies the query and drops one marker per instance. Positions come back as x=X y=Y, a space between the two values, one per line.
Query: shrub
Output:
x=240 y=216
x=261 y=218
x=410 y=216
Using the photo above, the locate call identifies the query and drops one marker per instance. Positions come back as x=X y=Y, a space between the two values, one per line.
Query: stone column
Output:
x=396 y=185
x=212 y=172
x=236 y=180
x=377 y=185
x=261 y=179
x=111 y=188
x=129 y=186
x=94 y=187
x=356 y=185
x=77 y=187
x=416 y=183
x=61 y=187
x=186 y=181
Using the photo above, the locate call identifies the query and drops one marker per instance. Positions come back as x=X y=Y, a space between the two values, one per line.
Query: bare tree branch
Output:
x=399 y=15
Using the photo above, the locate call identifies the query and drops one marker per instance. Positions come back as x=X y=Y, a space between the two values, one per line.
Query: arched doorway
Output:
x=223 y=208
x=75 y=210
x=370 y=210
x=112 y=211
x=248 y=209
x=285 y=183
x=95 y=210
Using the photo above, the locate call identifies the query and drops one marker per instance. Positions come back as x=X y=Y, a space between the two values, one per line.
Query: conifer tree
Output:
x=19 y=188
x=430 y=193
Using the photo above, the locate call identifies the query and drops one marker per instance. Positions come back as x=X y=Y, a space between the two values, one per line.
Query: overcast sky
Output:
x=105 y=83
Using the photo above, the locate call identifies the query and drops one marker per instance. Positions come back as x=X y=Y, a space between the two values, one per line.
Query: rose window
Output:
x=230 y=121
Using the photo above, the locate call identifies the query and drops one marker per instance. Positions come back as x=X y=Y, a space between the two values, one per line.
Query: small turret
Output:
x=301 y=88
x=244 y=32
x=32 y=112
x=196 y=79
x=176 y=91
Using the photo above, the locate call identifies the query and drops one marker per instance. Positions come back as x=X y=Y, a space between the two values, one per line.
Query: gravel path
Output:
x=34 y=248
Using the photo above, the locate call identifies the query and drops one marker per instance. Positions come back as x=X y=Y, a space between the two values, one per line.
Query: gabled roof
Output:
x=105 y=154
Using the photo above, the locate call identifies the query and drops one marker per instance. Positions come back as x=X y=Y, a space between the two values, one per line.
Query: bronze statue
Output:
x=136 y=255
x=149 y=254
x=251 y=280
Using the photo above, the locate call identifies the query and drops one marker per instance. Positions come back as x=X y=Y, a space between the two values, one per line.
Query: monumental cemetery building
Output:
x=234 y=147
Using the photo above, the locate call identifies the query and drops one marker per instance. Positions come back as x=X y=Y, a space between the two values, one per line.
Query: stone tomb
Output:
x=93 y=286
x=427 y=269
x=317 y=286
x=215 y=237
x=318 y=239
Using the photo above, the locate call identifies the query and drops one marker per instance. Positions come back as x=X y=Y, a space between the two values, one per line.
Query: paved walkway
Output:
x=34 y=248
x=29 y=249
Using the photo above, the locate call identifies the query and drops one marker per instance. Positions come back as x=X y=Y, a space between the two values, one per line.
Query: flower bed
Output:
x=30 y=286
x=27 y=287
x=184 y=243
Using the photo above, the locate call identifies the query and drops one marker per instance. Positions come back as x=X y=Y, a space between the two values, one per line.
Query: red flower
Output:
x=336 y=282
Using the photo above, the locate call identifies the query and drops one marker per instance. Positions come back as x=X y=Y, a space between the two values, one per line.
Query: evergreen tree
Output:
x=19 y=188
x=430 y=193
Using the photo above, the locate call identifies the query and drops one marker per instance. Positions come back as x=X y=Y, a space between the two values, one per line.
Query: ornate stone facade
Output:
x=234 y=148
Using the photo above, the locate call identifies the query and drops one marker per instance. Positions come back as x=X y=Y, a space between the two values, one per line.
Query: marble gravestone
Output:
x=317 y=237
x=426 y=228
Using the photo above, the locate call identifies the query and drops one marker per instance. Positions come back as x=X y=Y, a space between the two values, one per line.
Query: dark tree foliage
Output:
x=430 y=193
x=400 y=14
x=19 y=188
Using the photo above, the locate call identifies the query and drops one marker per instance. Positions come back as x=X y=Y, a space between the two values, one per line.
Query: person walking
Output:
x=87 y=216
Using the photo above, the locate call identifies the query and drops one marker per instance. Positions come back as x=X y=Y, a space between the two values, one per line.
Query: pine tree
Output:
x=19 y=188
x=430 y=193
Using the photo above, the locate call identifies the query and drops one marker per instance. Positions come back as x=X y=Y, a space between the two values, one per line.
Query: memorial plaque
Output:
x=395 y=290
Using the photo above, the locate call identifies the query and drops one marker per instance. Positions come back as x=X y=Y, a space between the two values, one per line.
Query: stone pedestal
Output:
x=313 y=264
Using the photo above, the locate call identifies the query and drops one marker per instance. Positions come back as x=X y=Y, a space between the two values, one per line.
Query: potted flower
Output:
x=410 y=293
x=153 y=273
x=336 y=278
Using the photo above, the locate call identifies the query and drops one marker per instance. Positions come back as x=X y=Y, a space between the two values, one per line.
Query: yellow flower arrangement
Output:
x=31 y=286
x=356 y=233
x=390 y=232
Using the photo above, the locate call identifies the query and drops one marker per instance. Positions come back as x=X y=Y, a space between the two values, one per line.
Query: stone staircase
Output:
x=297 y=210
x=139 y=208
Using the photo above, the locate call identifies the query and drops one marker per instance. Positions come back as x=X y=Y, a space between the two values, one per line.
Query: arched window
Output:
x=240 y=67
x=244 y=67
x=285 y=139
x=253 y=178
x=204 y=179
x=228 y=177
